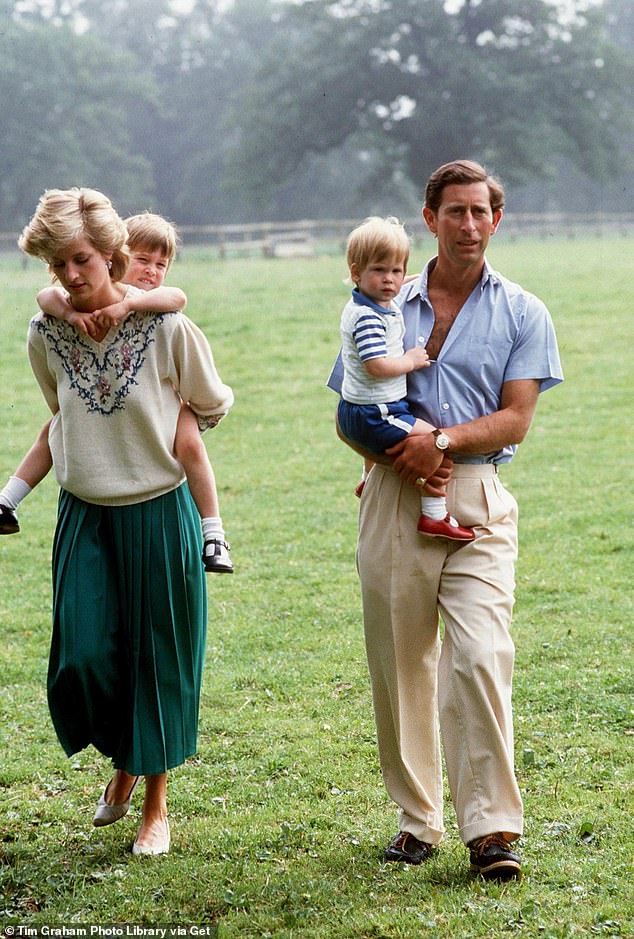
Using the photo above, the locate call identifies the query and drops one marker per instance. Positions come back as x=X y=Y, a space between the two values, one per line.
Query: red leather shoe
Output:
x=359 y=489
x=443 y=528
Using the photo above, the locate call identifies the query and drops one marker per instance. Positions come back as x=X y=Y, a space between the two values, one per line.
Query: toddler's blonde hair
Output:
x=376 y=239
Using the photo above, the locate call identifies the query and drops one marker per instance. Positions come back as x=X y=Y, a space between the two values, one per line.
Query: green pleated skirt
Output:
x=129 y=624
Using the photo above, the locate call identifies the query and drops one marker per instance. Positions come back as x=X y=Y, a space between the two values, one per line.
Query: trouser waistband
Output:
x=464 y=470
x=475 y=470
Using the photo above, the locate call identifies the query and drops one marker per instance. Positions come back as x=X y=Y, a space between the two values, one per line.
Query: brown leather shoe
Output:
x=407 y=849
x=492 y=857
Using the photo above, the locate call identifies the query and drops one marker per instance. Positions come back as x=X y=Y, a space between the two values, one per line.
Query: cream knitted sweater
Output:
x=116 y=402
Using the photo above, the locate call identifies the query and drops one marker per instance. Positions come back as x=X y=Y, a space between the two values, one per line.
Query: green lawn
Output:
x=279 y=823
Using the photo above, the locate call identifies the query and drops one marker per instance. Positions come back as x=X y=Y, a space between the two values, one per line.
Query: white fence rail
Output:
x=304 y=238
x=278 y=239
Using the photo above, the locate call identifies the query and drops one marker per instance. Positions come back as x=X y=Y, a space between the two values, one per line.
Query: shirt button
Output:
x=445 y=406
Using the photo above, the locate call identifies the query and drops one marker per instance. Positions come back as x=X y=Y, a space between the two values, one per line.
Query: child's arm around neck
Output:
x=54 y=301
x=158 y=300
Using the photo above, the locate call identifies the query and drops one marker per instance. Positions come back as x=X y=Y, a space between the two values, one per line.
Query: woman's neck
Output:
x=111 y=293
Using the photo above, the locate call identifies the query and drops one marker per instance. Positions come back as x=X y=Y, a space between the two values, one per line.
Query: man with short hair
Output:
x=493 y=349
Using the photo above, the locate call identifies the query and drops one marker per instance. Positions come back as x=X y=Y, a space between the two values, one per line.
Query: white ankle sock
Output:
x=434 y=507
x=212 y=528
x=14 y=491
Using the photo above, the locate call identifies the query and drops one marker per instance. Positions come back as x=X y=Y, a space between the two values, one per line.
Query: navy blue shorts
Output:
x=375 y=427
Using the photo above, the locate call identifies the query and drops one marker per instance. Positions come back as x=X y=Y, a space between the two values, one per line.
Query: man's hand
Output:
x=436 y=485
x=415 y=457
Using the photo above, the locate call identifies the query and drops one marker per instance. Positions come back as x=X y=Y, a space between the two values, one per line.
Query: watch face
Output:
x=442 y=441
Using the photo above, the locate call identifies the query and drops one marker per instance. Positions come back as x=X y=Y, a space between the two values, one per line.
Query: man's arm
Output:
x=435 y=483
x=507 y=426
x=418 y=456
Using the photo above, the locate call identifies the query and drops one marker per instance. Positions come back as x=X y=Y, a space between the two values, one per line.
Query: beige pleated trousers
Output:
x=459 y=687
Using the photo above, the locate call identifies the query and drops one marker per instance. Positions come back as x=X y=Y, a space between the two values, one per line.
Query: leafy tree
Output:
x=60 y=124
x=513 y=85
x=619 y=16
x=220 y=58
x=218 y=110
x=198 y=58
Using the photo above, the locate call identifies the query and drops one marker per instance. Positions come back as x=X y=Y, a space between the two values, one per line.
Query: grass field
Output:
x=279 y=823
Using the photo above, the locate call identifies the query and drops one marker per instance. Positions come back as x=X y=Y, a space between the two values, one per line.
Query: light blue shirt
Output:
x=502 y=333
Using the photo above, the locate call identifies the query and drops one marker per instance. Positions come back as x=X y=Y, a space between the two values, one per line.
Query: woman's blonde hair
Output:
x=153 y=232
x=63 y=215
x=375 y=240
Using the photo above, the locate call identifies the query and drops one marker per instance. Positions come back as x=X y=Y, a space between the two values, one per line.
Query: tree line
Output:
x=216 y=111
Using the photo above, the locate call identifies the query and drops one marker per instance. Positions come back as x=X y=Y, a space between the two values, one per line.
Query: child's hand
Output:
x=417 y=357
x=83 y=322
x=113 y=314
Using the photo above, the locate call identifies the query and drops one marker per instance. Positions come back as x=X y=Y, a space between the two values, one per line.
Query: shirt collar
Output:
x=418 y=287
x=362 y=300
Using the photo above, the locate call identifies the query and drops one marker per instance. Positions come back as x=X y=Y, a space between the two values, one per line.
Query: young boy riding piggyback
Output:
x=152 y=243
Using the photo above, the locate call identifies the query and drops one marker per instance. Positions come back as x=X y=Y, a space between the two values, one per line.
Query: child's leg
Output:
x=31 y=471
x=38 y=461
x=432 y=506
x=367 y=466
x=190 y=451
x=434 y=518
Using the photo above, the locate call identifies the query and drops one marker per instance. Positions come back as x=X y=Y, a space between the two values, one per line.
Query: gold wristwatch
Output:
x=441 y=439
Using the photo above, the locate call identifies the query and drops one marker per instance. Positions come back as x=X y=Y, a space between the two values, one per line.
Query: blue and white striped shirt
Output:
x=369 y=331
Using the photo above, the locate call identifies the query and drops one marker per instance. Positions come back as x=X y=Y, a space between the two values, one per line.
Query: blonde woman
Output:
x=129 y=602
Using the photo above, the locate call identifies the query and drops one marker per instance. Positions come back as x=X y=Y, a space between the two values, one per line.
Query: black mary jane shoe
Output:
x=9 y=524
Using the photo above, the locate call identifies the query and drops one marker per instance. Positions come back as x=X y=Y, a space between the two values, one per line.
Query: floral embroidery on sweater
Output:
x=102 y=378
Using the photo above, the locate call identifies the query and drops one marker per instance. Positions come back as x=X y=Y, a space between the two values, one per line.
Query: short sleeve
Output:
x=194 y=374
x=36 y=350
x=535 y=353
x=369 y=335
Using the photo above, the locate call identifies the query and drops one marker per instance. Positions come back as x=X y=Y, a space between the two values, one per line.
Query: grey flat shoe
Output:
x=107 y=814
x=158 y=847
